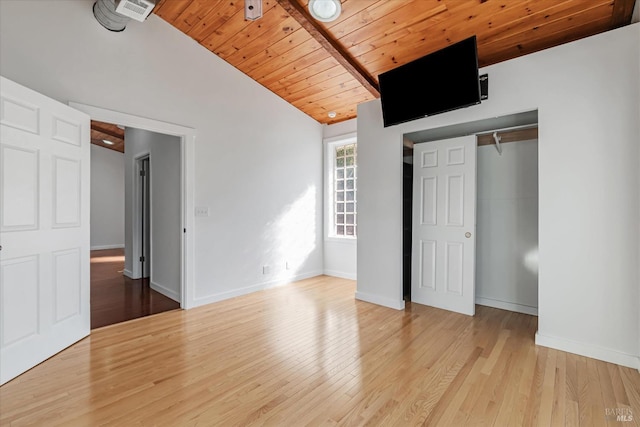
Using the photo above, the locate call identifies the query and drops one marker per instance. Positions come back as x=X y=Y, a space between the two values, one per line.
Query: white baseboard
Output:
x=341 y=274
x=589 y=350
x=128 y=273
x=518 y=308
x=253 y=288
x=383 y=301
x=102 y=247
x=169 y=293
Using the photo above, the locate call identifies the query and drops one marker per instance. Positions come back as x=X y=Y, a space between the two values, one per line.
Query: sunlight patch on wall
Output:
x=295 y=234
x=531 y=260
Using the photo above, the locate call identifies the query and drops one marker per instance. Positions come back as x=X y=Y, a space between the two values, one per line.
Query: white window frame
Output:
x=329 y=171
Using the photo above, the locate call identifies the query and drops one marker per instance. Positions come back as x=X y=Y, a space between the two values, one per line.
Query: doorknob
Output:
x=467 y=234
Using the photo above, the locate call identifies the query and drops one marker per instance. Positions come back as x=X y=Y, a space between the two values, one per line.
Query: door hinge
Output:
x=143 y=173
x=141 y=259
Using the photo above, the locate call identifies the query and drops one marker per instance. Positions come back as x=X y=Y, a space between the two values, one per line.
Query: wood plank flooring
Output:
x=116 y=298
x=310 y=354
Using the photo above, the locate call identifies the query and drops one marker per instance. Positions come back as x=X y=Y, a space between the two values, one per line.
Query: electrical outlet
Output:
x=265 y=269
x=202 y=211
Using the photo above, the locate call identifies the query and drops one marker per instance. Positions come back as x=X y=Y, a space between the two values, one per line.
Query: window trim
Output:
x=329 y=170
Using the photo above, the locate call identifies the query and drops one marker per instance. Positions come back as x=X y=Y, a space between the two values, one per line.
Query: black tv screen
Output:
x=441 y=81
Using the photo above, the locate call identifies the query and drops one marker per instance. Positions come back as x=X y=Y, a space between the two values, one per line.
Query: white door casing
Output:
x=187 y=137
x=443 y=237
x=44 y=228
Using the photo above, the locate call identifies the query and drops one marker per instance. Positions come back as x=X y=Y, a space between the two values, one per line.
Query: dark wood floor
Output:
x=116 y=298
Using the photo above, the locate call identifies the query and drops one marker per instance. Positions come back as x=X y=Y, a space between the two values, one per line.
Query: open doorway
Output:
x=186 y=137
x=122 y=279
x=504 y=229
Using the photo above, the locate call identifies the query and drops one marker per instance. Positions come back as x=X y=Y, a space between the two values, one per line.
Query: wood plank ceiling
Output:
x=101 y=132
x=321 y=68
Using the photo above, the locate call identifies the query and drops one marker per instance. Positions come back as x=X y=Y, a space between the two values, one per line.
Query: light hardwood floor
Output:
x=309 y=354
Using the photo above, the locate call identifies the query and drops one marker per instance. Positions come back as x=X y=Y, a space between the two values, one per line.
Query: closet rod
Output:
x=521 y=133
x=500 y=130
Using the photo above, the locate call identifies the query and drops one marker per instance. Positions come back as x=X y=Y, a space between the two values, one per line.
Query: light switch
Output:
x=202 y=211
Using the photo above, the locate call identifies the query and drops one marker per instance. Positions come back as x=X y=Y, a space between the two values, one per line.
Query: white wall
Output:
x=588 y=101
x=107 y=198
x=340 y=255
x=250 y=143
x=166 y=224
x=507 y=226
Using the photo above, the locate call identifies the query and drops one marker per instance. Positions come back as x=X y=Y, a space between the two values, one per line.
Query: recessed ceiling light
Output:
x=332 y=114
x=106 y=141
x=325 y=10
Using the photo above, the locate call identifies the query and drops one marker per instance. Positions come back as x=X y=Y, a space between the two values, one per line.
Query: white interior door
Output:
x=44 y=228
x=443 y=237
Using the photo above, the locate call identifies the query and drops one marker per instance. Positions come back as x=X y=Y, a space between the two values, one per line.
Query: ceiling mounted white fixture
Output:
x=252 y=10
x=114 y=14
x=135 y=9
x=325 y=10
x=106 y=141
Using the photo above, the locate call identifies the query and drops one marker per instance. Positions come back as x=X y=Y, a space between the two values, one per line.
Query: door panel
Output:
x=44 y=228
x=454 y=204
x=66 y=192
x=19 y=304
x=444 y=224
x=67 y=284
x=19 y=202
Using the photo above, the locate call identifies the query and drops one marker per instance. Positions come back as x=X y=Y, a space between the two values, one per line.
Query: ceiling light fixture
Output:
x=325 y=10
x=106 y=141
x=332 y=114
x=252 y=10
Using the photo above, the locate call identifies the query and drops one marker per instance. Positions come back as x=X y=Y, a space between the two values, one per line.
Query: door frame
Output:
x=187 y=155
x=136 y=268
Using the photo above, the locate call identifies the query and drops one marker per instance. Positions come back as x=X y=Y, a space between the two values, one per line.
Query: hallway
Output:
x=116 y=298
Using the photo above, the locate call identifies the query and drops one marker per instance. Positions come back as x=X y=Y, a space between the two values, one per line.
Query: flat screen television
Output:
x=441 y=81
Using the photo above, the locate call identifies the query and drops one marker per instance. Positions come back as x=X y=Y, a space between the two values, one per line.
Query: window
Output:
x=344 y=215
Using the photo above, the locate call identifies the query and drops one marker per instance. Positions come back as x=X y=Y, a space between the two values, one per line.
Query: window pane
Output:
x=344 y=190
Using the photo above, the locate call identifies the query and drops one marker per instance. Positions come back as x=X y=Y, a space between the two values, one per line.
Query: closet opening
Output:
x=470 y=211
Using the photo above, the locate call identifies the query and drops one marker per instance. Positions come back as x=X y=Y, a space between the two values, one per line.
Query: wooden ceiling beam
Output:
x=622 y=12
x=306 y=21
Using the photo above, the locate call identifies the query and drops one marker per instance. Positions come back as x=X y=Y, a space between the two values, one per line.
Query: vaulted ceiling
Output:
x=322 y=68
